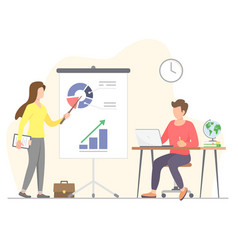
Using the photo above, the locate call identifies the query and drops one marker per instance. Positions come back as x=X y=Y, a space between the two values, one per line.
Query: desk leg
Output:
x=215 y=154
x=152 y=157
x=203 y=161
x=138 y=186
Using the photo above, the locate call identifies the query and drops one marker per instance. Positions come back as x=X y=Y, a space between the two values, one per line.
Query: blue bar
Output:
x=83 y=146
x=93 y=143
x=102 y=138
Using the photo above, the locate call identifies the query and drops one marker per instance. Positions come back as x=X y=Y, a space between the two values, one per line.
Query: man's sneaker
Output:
x=148 y=195
x=183 y=194
x=24 y=195
x=43 y=196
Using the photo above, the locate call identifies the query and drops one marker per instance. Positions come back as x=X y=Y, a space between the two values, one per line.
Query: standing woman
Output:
x=36 y=113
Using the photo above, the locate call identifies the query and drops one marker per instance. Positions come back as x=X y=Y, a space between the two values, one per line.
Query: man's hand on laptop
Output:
x=181 y=143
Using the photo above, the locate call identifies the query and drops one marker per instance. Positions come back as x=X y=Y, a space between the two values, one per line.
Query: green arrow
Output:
x=102 y=122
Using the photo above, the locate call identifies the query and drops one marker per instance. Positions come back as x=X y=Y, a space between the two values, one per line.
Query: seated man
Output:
x=180 y=133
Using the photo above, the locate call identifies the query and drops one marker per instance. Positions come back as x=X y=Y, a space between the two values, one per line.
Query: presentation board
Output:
x=97 y=127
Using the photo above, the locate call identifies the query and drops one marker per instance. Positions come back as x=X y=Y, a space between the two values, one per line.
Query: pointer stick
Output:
x=71 y=109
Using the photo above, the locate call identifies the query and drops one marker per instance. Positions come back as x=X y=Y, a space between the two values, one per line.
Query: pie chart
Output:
x=77 y=90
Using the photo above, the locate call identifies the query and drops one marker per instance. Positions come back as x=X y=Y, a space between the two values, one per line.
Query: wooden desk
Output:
x=181 y=148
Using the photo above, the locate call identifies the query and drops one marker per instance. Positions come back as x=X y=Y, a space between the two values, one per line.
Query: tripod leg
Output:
x=93 y=180
x=109 y=191
x=70 y=195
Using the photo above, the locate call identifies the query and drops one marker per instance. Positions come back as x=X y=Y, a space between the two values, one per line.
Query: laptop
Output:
x=149 y=138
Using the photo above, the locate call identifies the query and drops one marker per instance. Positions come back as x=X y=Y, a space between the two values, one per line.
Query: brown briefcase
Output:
x=63 y=189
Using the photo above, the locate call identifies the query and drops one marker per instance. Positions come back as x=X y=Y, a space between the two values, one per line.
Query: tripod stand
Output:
x=93 y=182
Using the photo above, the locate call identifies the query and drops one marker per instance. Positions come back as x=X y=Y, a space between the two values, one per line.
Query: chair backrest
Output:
x=186 y=165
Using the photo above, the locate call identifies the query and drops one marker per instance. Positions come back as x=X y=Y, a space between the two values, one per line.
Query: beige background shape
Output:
x=149 y=106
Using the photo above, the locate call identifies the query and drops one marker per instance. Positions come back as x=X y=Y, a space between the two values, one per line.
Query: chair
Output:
x=176 y=188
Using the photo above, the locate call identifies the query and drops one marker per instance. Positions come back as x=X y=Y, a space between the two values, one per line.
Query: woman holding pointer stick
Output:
x=36 y=113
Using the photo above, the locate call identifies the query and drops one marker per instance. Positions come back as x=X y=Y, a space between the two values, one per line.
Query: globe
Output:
x=212 y=129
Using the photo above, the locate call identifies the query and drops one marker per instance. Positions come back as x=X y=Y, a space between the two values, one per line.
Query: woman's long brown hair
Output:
x=32 y=97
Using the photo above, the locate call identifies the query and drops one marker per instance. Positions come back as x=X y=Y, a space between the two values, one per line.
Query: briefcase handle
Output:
x=64 y=181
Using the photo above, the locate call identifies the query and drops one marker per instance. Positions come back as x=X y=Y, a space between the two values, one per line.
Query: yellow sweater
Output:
x=36 y=117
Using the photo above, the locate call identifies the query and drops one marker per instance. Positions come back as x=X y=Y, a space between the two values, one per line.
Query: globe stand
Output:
x=93 y=182
x=212 y=140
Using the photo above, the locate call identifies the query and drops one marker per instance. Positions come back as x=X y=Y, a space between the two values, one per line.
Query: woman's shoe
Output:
x=43 y=196
x=148 y=195
x=24 y=195
x=183 y=194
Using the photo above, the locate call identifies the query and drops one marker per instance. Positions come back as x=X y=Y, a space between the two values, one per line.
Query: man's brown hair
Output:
x=180 y=103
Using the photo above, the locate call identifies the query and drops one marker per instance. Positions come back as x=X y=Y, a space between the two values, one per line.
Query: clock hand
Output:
x=171 y=68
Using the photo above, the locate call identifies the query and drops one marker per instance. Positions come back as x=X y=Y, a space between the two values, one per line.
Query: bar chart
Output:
x=96 y=144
